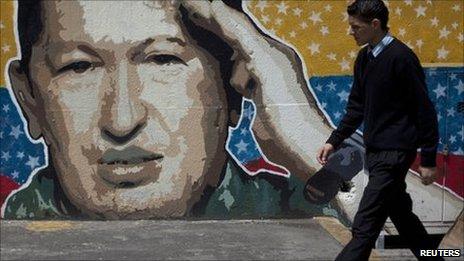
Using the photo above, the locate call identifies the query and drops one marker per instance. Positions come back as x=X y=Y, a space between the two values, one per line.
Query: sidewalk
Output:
x=309 y=239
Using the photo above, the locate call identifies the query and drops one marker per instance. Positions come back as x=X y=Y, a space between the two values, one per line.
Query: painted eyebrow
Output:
x=177 y=40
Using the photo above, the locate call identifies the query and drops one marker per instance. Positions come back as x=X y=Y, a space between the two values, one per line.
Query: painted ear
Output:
x=23 y=93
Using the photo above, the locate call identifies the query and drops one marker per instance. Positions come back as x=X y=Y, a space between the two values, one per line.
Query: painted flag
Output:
x=245 y=150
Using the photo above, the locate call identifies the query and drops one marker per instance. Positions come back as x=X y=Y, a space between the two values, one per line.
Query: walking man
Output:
x=389 y=95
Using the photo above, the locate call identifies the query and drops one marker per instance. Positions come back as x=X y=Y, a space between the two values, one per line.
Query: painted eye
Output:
x=165 y=59
x=77 y=67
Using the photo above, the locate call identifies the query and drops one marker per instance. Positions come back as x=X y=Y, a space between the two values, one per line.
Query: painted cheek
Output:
x=167 y=97
x=80 y=100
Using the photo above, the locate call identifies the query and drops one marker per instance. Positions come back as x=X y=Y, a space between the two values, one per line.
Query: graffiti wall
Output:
x=169 y=109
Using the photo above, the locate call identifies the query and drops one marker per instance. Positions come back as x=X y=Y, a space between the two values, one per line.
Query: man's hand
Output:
x=324 y=153
x=428 y=174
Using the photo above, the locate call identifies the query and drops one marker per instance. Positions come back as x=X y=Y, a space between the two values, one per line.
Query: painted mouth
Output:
x=130 y=167
x=130 y=156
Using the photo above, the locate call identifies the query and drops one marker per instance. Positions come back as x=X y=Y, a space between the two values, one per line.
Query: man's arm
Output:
x=422 y=109
x=426 y=117
x=354 y=113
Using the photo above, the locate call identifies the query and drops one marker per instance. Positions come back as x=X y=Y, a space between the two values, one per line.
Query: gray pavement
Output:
x=168 y=240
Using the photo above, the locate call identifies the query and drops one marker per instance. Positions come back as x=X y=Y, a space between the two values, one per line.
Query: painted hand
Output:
x=289 y=127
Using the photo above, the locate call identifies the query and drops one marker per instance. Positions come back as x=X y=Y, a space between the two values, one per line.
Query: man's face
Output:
x=362 y=32
x=133 y=111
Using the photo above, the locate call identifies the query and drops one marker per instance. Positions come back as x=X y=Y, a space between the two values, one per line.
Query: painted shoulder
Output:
x=35 y=201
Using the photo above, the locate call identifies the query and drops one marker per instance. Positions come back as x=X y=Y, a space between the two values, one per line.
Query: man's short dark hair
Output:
x=368 y=10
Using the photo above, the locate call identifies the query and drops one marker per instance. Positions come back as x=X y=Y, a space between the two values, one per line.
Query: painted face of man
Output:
x=132 y=109
x=362 y=31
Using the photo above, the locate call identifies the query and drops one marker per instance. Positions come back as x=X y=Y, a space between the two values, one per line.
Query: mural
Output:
x=166 y=109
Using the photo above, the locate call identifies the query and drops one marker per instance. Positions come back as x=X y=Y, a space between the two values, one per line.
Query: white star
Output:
x=439 y=117
x=304 y=25
x=1 y=134
x=450 y=112
x=282 y=8
x=420 y=10
x=458 y=152
x=454 y=25
x=434 y=21
x=461 y=133
x=456 y=8
x=16 y=131
x=337 y=115
x=452 y=76
x=6 y=108
x=419 y=43
x=292 y=34
x=410 y=45
x=459 y=87
x=262 y=4
x=20 y=155
x=278 y=21
x=318 y=87
x=352 y=54
x=442 y=53
x=429 y=2
x=324 y=30
x=332 y=56
x=440 y=91
x=343 y=95
x=402 y=32
x=248 y=113
x=323 y=105
x=452 y=139
x=344 y=65
x=5 y=155
x=271 y=31
x=297 y=11
x=5 y=48
x=444 y=32
x=15 y=174
x=314 y=48
x=265 y=19
x=315 y=17
x=398 y=11
x=241 y=146
x=33 y=162
x=2 y=25
x=345 y=16
x=328 y=8
x=408 y=2
x=331 y=86
x=460 y=37
x=243 y=131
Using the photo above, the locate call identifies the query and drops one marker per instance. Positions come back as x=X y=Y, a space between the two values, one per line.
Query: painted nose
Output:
x=126 y=115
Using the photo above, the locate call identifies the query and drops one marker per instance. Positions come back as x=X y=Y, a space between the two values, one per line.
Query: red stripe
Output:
x=261 y=164
x=6 y=186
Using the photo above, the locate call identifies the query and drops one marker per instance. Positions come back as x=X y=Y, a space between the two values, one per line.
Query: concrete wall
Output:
x=162 y=132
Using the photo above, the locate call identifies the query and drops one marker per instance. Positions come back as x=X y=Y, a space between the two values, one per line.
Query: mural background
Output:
x=318 y=31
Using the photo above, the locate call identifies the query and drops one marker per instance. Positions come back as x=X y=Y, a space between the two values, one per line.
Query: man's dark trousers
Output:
x=385 y=196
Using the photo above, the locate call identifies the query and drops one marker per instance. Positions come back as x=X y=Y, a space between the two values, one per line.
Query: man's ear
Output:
x=23 y=93
x=376 y=23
